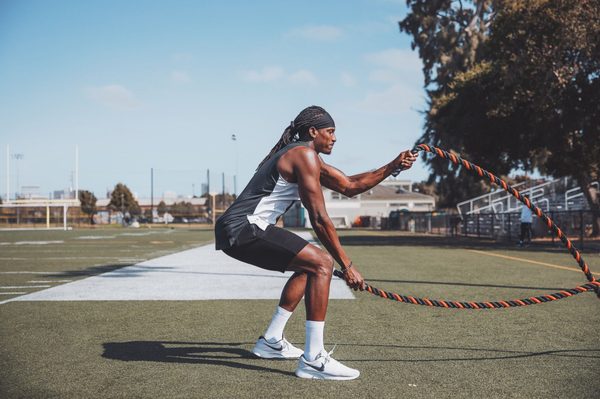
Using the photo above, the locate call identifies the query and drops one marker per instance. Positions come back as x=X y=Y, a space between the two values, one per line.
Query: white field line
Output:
x=32 y=242
x=69 y=258
x=11 y=293
x=95 y=237
x=48 y=281
x=17 y=287
x=28 y=272
x=534 y=262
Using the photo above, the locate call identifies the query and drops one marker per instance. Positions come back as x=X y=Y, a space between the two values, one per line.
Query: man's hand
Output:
x=405 y=160
x=354 y=279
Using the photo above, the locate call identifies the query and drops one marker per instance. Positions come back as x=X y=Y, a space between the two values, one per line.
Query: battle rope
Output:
x=591 y=286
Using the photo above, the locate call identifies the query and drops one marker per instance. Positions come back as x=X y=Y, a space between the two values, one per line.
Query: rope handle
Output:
x=345 y=270
x=400 y=169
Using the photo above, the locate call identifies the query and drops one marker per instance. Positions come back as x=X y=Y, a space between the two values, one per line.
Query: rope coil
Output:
x=593 y=284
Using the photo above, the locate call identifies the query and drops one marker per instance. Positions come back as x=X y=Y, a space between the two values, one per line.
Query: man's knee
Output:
x=324 y=267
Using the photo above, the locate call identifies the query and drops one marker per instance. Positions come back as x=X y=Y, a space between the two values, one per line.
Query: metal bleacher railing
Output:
x=498 y=216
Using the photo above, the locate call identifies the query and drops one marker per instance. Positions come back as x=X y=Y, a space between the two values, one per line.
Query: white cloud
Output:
x=399 y=77
x=347 y=79
x=180 y=77
x=396 y=99
x=303 y=77
x=322 y=33
x=385 y=75
x=396 y=59
x=271 y=74
x=113 y=96
x=266 y=74
x=182 y=57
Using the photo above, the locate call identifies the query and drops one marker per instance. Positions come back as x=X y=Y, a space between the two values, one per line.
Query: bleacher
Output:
x=497 y=214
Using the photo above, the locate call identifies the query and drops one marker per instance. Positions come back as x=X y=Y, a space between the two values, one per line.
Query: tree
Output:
x=162 y=208
x=121 y=199
x=528 y=98
x=182 y=210
x=88 y=200
x=448 y=35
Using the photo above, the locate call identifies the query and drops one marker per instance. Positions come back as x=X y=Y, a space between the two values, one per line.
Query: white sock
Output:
x=314 y=339
x=275 y=330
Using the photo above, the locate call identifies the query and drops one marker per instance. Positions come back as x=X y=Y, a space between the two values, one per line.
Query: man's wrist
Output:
x=346 y=268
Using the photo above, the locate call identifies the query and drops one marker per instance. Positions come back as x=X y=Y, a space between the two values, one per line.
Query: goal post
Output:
x=35 y=214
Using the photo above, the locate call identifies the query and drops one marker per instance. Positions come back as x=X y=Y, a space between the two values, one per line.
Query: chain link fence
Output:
x=577 y=225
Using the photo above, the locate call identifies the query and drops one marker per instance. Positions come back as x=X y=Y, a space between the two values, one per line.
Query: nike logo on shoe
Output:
x=321 y=369
x=279 y=349
x=273 y=347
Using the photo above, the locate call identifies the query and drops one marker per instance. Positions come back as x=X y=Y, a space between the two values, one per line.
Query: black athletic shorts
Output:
x=272 y=249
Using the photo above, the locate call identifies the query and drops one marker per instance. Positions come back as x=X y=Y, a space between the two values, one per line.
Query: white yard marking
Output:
x=37 y=242
x=10 y=293
x=95 y=237
x=17 y=287
x=196 y=274
x=70 y=258
x=28 y=272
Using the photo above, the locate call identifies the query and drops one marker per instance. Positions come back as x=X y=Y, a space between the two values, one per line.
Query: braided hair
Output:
x=313 y=116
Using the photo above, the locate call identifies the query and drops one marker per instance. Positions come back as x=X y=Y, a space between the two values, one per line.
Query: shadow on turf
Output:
x=89 y=271
x=138 y=270
x=464 y=284
x=498 y=354
x=226 y=353
x=97 y=270
x=449 y=242
x=210 y=353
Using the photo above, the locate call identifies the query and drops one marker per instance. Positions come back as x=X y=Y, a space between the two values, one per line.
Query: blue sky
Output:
x=148 y=84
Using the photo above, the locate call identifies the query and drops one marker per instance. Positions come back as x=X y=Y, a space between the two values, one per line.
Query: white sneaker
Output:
x=281 y=349
x=324 y=367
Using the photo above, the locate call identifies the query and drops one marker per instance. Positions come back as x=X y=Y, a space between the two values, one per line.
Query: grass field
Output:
x=200 y=349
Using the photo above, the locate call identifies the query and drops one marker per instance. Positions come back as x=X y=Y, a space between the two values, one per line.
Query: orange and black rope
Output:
x=593 y=284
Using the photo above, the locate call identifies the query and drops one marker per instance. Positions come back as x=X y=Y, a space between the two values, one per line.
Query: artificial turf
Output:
x=158 y=349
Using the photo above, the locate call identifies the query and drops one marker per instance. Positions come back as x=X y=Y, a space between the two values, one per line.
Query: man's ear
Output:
x=312 y=132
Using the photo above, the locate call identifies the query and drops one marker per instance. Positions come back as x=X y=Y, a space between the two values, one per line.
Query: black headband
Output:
x=323 y=121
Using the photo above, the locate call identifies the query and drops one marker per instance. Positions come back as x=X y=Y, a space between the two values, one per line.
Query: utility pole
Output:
x=7 y=173
x=223 y=193
x=234 y=139
x=151 y=195
x=76 y=172
x=207 y=181
x=17 y=158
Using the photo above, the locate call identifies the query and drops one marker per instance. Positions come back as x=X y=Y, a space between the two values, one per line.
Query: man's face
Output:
x=324 y=140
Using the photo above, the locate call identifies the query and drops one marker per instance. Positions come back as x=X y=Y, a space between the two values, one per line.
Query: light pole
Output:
x=213 y=205
x=234 y=139
x=17 y=158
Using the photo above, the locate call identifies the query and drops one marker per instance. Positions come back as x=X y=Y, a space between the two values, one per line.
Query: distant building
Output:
x=390 y=195
x=63 y=194
x=31 y=192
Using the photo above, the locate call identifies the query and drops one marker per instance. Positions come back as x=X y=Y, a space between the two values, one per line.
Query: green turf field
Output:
x=200 y=349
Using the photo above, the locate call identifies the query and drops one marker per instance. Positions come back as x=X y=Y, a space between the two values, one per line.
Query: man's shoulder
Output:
x=302 y=153
x=302 y=159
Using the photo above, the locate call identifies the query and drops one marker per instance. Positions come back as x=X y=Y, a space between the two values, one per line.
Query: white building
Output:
x=390 y=195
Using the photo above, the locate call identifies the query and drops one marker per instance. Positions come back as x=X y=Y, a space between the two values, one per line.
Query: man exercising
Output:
x=246 y=231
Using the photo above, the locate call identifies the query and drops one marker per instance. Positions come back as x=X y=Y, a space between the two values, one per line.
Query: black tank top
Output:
x=266 y=197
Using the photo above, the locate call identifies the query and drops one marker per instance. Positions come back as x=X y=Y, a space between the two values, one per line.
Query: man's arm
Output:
x=307 y=169
x=350 y=186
